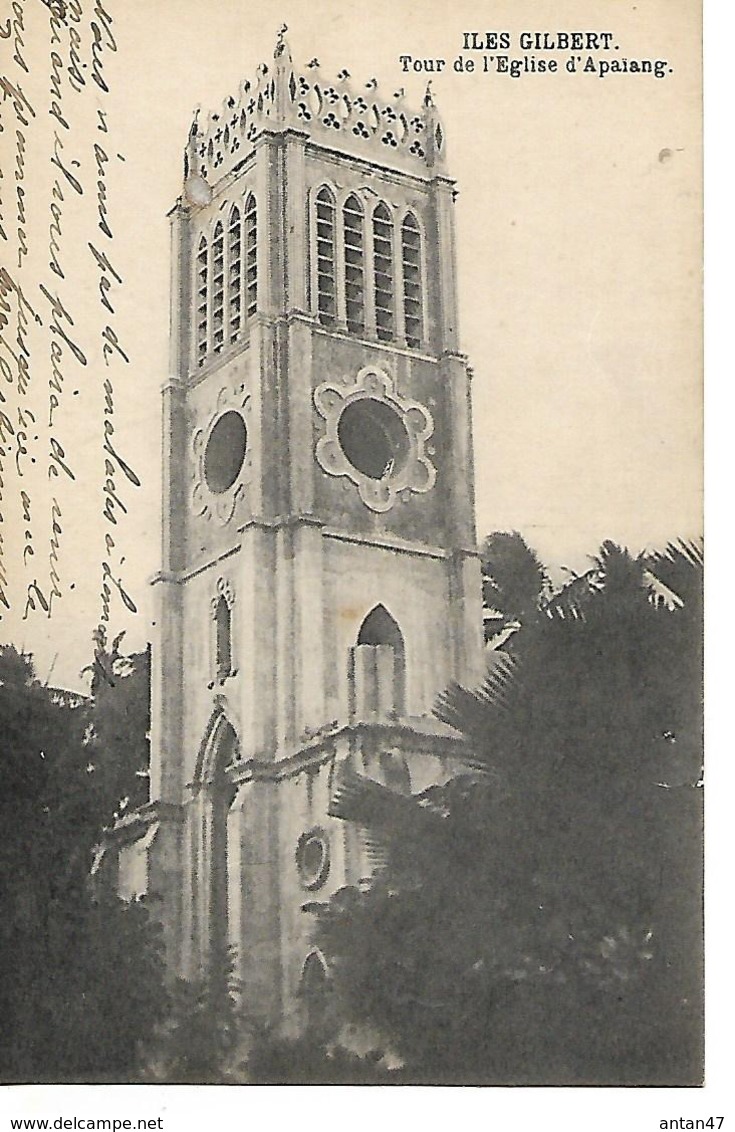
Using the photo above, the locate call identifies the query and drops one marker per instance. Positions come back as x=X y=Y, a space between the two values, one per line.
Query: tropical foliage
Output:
x=81 y=972
x=535 y=919
x=201 y=1039
x=539 y=918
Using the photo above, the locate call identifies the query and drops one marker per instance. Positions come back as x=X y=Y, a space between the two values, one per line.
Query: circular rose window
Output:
x=373 y=437
x=225 y=452
x=312 y=858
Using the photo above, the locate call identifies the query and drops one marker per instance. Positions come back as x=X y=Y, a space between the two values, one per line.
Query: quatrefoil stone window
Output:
x=375 y=438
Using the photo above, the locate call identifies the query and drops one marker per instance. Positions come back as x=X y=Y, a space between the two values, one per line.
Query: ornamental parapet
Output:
x=366 y=123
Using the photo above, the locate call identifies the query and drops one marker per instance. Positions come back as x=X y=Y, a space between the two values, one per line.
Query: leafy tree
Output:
x=82 y=973
x=200 y=1039
x=120 y=719
x=514 y=581
x=275 y=1060
x=539 y=920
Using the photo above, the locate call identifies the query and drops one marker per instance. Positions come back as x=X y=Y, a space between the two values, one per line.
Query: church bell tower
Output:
x=320 y=581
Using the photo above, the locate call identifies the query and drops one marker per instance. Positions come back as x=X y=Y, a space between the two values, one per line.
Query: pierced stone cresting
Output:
x=366 y=121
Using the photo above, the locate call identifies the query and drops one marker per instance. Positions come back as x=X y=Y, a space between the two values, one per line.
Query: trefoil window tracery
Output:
x=218 y=287
x=226 y=280
x=412 y=297
x=383 y=280
x=201 y=299
x=234 y=256
x=251 y=255
x=368 y=274
x=354 y=238
x=326 y=260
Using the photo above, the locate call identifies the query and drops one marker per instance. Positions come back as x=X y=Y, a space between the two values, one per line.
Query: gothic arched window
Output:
x=354 y=238
x=379 y=628
x=201 y=300
x=218 y=287
x=383 y=282
x=377 y=676
x=251 y=256
x=315 y=995
x=412 y=299
x=325 y=258
x=223 y=637
x=234 y=273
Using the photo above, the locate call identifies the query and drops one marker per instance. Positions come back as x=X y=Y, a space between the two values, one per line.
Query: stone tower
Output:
x=320 y=581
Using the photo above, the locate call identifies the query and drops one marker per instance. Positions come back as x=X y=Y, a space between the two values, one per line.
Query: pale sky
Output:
x=578 y=259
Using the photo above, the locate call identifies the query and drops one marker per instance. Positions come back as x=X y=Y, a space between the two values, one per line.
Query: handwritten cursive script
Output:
x=62 y=351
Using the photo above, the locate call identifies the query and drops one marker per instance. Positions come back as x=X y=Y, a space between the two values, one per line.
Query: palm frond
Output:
x=514 y=578
x=498 y=680
x=466 y=710
x=678 y=563
x=659 y=593
x=368 y=803
x=575 y=596
x=378 y=853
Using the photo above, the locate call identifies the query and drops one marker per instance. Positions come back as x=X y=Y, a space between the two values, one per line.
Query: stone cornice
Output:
x=426 y=735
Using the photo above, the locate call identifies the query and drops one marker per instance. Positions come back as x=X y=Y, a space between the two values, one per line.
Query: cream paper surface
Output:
x=579 y=271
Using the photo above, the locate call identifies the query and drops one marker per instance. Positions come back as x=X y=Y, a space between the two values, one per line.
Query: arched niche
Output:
x=314 y=989
x=377 y=668
x=223 y=638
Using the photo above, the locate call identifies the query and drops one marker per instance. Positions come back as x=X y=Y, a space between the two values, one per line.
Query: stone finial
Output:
x=428 y=97
x=190 y=151
x=282 y=68
x=281 y=47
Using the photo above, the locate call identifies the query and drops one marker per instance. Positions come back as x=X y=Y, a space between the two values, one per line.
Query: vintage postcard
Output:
x=351 y=543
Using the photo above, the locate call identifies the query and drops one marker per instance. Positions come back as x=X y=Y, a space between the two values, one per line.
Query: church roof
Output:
x=364 y=121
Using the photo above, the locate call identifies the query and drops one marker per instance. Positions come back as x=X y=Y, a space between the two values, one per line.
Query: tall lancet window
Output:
x=218 y=287
x=383 y=273
x=354 y=265
x=201 y=299
x=377 y=676
x=412 y=298
x=251 y=256
x=315 y=997
x=223 y=637
x=326 y=289
x=234 y=273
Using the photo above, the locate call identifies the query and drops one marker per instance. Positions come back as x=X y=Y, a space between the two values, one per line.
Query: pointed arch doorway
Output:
x=211 y=874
